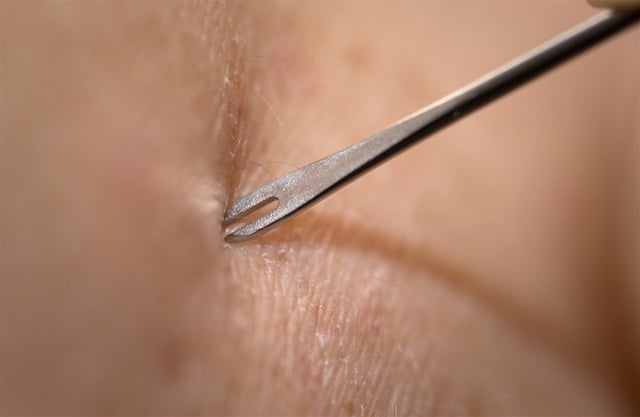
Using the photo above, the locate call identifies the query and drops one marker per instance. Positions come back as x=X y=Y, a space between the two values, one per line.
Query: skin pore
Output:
x=488 y=271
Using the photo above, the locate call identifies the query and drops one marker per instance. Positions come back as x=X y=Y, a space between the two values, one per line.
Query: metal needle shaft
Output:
x=305 y=186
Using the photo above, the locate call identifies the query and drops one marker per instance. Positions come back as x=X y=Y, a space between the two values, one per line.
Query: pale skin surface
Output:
x=489 y=271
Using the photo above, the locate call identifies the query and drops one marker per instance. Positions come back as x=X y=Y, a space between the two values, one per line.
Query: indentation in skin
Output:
x=121 y=295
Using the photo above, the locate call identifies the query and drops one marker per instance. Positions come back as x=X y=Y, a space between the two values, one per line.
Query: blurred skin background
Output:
x=492 y=270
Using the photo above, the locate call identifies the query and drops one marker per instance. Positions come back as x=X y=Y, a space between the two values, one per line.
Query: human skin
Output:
x=616 y=4
x=489 y=271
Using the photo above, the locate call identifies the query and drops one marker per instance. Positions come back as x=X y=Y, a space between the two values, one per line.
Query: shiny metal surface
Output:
x=307 y=185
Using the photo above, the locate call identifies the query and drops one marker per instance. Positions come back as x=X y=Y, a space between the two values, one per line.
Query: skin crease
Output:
x=488 y=271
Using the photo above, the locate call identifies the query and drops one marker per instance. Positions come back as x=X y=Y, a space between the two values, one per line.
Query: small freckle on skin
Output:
x=358 y=57
x=349 y=408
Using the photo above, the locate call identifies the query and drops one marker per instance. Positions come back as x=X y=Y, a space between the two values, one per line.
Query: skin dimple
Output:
x=443 y=283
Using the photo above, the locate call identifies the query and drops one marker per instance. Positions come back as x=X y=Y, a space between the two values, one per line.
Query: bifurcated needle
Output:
x=306 y=186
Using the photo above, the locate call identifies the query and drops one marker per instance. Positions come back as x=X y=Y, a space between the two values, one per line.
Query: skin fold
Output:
x=491 y=270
